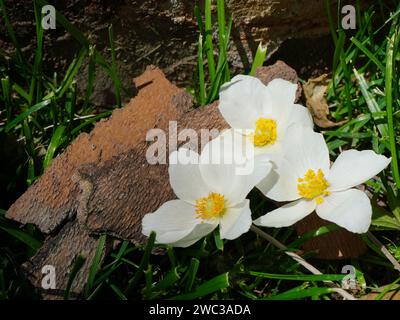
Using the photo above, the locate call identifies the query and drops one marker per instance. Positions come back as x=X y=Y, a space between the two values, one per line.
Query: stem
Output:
x=300 y=260
x=385 y=251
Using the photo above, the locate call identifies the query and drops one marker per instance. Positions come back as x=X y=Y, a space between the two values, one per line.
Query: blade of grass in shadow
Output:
x=169 y=280
x=368 y=53
x=78 y=264
x=387 y=289
x=223 y=36
x=71 y=72
x=118 y=292
x=143 y=263
x=190 y=276
x=216 y=284
x=200 y=67
x=209 y=48
x=117 y=82
x=56 y=140
x=20 y=235
x=10 y=31
x=95 y=264
x=26 y=113
x=90 y=121
x=299 y=277
x=300 y=294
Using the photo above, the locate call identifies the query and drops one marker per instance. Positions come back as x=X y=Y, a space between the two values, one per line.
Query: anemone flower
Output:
x=307 y=179
x=262 y=113
x=211 y=192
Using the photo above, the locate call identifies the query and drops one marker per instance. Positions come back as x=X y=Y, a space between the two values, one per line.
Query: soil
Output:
x=164 y=33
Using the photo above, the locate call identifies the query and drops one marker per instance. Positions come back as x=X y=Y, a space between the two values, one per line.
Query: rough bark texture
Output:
x=60 y=195
x=103 y=182
x=338 y=244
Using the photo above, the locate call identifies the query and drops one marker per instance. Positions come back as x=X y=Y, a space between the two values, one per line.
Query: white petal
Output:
x=173 y=221
x=236 y=221
x=353 y=167
x=287 y=215
x=300 y=115
x=227 y=168
x=241 y=101
x=305 y=149
x=282 y=91
x=281 y=183
x=350 y=209
x=270 y=149
x=185 y=178
x=280 y=98
x=200 y=231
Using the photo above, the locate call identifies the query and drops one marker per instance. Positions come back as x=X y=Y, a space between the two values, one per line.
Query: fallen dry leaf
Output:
x=314 y=91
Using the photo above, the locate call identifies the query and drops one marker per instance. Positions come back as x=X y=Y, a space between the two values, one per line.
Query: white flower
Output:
x=210 y=193
x=305 y=177
x=262 y=113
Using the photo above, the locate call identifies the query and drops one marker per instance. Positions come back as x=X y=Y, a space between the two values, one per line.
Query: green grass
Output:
x=44 y=112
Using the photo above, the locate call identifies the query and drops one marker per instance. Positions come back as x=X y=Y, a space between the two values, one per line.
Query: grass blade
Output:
x=389 y=105
x=117 y=82
x=208 y=40
x=26 y=113
x=56 y=140
x=216 y=284
x=79 y=262
x=301 y=293
x=20 y=235
x=200 y=67
x=143 y=263
x=259 y=58
x=95 y=264
x=299 y=277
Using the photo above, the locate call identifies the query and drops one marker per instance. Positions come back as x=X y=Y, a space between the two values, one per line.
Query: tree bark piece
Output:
x=337 y=244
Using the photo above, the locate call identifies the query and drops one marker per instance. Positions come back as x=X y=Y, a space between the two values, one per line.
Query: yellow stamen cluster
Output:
x=212 y=206
x=265 y=132
x=313 y=186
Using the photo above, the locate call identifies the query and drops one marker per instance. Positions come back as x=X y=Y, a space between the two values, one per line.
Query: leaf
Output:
x=55 y=142
x=219 y=243
x=170 y=279
x=314 y=91
x=218 y=283
x=300 y=293
x=258 y=59
x=20 y=235
x=26 y=113
x=95 y=264
x=143 y=263
x=80 y=260
x=299 y=277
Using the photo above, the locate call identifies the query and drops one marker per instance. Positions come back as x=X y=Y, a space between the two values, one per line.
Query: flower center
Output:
x=313 y=186
x=210 y=207
x=265 y=132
